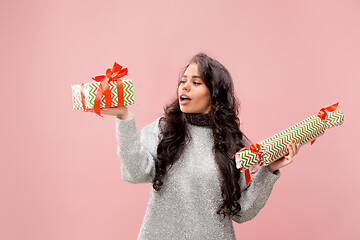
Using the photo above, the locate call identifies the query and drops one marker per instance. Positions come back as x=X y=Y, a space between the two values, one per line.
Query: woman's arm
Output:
x=136 y=152
x=254 y=196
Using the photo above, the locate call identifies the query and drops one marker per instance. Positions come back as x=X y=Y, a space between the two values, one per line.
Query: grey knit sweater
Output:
x=186 y=206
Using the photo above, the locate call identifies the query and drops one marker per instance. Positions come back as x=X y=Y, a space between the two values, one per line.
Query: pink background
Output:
x=60 y=175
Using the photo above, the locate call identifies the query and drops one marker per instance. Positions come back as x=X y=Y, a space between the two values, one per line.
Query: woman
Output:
x=187 y=157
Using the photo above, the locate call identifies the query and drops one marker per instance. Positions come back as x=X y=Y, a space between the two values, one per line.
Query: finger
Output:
x=293 y=147
x=288 y=158
x=297 y=147
x=291 y=152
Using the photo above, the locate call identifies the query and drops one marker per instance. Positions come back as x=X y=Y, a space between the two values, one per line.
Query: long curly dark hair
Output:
x=225 y=126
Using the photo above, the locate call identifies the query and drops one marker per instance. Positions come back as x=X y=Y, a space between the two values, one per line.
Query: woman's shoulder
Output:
x=153 y=127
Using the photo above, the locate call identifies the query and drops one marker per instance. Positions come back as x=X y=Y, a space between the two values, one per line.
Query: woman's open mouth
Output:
x=184 y=99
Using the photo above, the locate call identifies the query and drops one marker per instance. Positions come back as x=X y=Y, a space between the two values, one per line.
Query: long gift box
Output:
x=107 y=91
x=275 y=147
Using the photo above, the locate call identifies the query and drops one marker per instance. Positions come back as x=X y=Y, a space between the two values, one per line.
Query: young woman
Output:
x=187 y=157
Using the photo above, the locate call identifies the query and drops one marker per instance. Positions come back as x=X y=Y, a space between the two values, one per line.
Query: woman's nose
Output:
x=186 y=86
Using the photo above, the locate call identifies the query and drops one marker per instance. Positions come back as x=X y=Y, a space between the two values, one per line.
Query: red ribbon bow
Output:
x=323 y=114
x=254 y=148
x=113 y=74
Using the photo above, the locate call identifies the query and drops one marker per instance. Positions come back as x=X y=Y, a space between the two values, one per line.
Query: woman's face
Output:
x=194 y=96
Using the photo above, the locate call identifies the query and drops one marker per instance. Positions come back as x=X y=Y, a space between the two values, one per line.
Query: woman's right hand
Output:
x=120 y=112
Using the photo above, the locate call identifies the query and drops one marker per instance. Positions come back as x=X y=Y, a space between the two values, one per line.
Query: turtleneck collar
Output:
x=198 y=119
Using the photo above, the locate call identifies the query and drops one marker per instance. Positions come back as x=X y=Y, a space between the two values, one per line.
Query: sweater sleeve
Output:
x=136 y=152
x=254 y=196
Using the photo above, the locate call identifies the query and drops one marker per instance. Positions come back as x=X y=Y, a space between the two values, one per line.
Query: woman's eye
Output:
x=195 y=83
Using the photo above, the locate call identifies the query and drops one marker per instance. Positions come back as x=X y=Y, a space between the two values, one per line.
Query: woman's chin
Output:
x=186 y=109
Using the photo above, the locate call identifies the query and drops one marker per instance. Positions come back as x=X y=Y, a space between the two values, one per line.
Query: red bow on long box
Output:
x=107 y=91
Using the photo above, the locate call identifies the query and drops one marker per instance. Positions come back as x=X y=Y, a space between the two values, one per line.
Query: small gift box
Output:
x=275 y=147
x=107 y=91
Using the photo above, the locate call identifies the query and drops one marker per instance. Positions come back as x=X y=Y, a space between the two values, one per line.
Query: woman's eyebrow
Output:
x=194 y=76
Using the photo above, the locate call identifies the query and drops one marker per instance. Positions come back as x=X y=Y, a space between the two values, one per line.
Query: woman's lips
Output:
x=185 y=101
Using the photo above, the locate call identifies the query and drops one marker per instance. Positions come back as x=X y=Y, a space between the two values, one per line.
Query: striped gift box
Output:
x=89 y=91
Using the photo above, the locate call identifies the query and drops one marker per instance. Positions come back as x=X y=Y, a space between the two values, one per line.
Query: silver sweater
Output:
x=186 y=206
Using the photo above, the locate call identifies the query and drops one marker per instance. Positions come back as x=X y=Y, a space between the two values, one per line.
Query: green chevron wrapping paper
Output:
x=275 y=147
x=109 y=90
x=90 y=90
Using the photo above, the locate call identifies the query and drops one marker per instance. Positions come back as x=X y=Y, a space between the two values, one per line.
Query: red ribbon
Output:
x=254 y=148
x=113 y=74
x=82 y=96
x=323 y=114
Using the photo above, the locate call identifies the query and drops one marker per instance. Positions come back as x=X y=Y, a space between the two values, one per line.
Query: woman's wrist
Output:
x=125 y=116
x=270 y=169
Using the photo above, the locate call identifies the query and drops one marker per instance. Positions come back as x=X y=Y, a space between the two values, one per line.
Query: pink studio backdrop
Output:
x=60 y=175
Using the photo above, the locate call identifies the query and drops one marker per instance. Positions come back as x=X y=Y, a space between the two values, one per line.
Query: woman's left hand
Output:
x=293 y=149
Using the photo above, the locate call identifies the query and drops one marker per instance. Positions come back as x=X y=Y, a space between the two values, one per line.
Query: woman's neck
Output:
x=198 y=119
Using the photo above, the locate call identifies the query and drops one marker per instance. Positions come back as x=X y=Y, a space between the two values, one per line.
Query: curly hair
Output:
x=225 y=126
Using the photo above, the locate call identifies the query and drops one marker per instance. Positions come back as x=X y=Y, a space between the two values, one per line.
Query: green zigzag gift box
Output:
x=275 y=147
x=107 y=91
